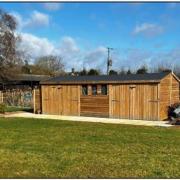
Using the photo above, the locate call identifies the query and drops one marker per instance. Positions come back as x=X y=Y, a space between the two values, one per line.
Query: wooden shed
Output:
x=134 y=96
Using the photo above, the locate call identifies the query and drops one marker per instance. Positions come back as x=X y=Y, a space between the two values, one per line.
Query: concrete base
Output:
x=91 y=119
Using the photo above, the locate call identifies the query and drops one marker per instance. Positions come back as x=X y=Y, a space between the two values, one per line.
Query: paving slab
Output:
x=91 y=119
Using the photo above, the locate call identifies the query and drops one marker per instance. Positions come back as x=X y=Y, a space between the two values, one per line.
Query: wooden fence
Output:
x=17 y=97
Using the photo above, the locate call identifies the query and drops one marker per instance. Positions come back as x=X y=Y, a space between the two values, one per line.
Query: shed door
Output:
x=52 y=100
x=74 y=100
x=120 y=101
x=60 y=100
x=45 y=99
x=153 y=103
x=135 y=101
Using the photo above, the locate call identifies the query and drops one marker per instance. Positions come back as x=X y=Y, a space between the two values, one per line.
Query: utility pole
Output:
x=109 y=61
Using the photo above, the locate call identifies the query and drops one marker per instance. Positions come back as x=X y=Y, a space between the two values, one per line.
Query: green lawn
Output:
x=34 y=148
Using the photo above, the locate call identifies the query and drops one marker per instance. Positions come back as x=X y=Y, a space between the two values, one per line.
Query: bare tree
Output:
x=9 y=60
x=50 y=65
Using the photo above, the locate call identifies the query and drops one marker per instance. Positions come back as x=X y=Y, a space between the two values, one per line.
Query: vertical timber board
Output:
x=70 y=100
x=175 y=95
x=110 y=99
x=170 y=90
x=34 y=100
x=164 y=96
x=134 y=101
x=37 y=100
x=1 y=97
x=114 y=102
x=44 y=99
x=74 y=100
x=79 y=94
x=154 y=102
x=158 y=101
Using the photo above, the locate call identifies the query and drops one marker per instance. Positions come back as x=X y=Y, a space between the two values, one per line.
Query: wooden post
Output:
x=1 y=97
x=34 y=100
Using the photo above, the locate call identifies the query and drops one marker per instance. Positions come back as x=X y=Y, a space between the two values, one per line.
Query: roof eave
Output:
x=98 y=82
x=176 y=77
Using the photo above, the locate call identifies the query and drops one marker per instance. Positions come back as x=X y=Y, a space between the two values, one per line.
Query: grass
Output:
x=35 y=148
x=15 y=108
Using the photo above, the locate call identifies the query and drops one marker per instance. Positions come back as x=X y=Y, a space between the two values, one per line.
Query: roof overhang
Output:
x=175 y=77
x=98 y=82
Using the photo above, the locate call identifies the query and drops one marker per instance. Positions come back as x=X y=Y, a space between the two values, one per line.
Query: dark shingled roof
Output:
x=31 y=77
x=27 y=77
x=150 y=77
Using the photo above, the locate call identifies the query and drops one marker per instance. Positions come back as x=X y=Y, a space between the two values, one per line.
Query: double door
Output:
x=135 y=101
x=60 y=99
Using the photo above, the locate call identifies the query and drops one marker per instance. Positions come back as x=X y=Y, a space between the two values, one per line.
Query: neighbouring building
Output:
x=22 y=80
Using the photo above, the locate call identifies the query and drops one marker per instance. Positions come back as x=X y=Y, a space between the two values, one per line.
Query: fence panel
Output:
x=18 y=97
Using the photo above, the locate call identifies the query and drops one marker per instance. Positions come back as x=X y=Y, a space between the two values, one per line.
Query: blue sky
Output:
x=140 y=33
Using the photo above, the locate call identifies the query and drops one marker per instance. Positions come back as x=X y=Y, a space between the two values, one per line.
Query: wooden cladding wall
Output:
x=175 y=94
x=94 y=105
x=61 y=99
x=169 y=94
x=165 y=89
x=131 y=101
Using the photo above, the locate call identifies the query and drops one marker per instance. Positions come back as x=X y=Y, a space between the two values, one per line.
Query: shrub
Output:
x=2 y=108
x=172 y=108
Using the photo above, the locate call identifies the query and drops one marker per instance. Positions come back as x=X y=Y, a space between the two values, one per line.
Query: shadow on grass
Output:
x=15 y=109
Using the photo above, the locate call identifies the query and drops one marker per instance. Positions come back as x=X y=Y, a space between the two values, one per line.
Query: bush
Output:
x=2 y=108
x=171 y=110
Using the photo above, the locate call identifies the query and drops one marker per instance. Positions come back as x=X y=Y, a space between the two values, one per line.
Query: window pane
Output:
x=94 y=90
x=84 y=90
x=104 y=89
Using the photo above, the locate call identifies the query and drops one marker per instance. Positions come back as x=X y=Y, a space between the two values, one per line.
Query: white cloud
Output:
x=135 y=58
x=68 y=44
x=36 y=19
x=75 y=57
x=36 y=46
x=148 y=29
x=52 y=6
x=72 y=55
x=96 y=58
